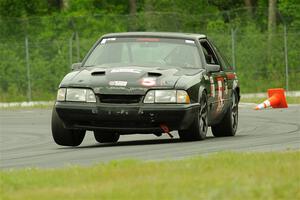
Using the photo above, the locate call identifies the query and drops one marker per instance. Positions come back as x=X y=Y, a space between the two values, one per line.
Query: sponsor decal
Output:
x=190 y=41
x=235 y=84
x=104 y=40
x=148 y=82
x=220 y=94
x=147 y=39
x=212 y=87
x=118 y=83
x=226 y=88
x=125 y=70
x=230 y=76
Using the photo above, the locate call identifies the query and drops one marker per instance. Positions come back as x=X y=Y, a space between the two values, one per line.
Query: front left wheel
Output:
x=198 y=129
x=63 y=136
x=229 y=123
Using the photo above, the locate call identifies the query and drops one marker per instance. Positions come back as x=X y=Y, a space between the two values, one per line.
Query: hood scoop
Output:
x=98 y=73
x=154 y=74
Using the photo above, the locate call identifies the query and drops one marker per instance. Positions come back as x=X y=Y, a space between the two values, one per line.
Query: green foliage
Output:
x=290 y=10
x=227 y=4
x=21 y=8
x=52 y=38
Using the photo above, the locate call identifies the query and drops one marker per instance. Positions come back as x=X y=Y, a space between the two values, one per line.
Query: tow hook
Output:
x=166 y=130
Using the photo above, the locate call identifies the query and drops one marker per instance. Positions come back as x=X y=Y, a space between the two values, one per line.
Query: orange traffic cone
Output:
x=276 y=99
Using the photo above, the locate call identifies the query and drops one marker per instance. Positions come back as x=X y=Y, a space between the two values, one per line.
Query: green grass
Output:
x=290 y=100
x=216 y=176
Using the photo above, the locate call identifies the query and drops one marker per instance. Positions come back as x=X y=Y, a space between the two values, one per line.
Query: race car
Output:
x=147 y=83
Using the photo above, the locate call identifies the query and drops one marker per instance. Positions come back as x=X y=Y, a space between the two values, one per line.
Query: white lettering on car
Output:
x=226 y=88
x=220 y=94
x=104 y=40
x=125 y=70
x=118 y=83
x=212 y=87
x=190 y=41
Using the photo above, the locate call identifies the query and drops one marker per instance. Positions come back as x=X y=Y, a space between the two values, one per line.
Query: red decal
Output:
x=147 y=39
x=220 y=78
x=230 y=76
x=148 y=82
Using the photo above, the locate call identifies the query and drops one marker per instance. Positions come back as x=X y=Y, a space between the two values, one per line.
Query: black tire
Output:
x=62 y=136
x=106 y=137
x=229 y=123
x=198 y=129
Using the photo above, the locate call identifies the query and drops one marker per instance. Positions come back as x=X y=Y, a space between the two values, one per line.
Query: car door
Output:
x=218 y=82
x=229 y=73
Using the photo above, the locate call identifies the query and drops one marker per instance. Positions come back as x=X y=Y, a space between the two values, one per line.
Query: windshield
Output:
x=162 y=52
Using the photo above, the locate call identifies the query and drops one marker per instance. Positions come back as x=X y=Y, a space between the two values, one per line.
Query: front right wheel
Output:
x=106 y=137
x=229 y=123
x=63 y=136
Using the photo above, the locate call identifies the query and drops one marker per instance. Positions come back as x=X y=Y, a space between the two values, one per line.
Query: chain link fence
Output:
x=36 y=53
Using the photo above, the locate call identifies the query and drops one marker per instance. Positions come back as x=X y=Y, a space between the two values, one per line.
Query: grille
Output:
x=104 y=98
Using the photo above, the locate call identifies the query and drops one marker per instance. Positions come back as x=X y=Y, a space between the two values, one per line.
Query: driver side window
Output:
x=209 y=55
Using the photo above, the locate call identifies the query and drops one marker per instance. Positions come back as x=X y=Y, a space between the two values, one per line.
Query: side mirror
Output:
x=76 y=66
x=213 y=68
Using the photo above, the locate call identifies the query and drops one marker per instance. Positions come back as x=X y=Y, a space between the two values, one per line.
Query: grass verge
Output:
x=216 y=176
x=19 y=107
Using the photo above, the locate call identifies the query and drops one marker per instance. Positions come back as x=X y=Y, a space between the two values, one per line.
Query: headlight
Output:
x=167 y=96
x=90 y=96
x=76 y=94
x=182 y=97
x=61 y=94
x=149 y=98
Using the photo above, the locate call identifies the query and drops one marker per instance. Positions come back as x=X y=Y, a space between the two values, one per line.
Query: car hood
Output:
x=125 y=80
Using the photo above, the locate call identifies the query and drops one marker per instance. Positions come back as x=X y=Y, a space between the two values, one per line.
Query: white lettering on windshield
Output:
x=190 y=41
x=103 y=41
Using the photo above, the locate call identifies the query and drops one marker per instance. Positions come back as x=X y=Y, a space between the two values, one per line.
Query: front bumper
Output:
x=126 y=118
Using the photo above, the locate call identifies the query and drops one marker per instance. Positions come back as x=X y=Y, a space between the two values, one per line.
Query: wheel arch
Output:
x=237 y=89
x=201 y=90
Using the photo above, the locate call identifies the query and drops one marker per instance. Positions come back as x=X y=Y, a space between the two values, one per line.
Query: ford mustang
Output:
x=147 y=83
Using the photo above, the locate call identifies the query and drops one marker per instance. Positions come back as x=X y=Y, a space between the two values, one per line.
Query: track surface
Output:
x=26 y=141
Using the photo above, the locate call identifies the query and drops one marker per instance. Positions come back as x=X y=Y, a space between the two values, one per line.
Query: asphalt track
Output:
x=26 y=141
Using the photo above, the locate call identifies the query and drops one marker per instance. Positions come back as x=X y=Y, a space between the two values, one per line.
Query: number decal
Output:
x=220 y=93
x=212 y=87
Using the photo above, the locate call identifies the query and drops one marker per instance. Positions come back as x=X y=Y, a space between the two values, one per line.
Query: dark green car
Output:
x=148 y=83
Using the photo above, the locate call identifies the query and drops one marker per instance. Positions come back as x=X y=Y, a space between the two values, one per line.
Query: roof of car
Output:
x=156 y=34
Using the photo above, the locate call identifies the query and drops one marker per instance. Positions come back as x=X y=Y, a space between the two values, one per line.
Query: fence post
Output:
x=233 y=47
x=286 y=59
x=77 y=47
x=285 y=51
x=71 y=49
x=27 y=69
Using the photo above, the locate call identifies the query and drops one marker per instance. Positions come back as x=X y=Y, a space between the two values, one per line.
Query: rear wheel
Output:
x=106 y=137
x=62 y=136
x=198 y=129
x=229 y=123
